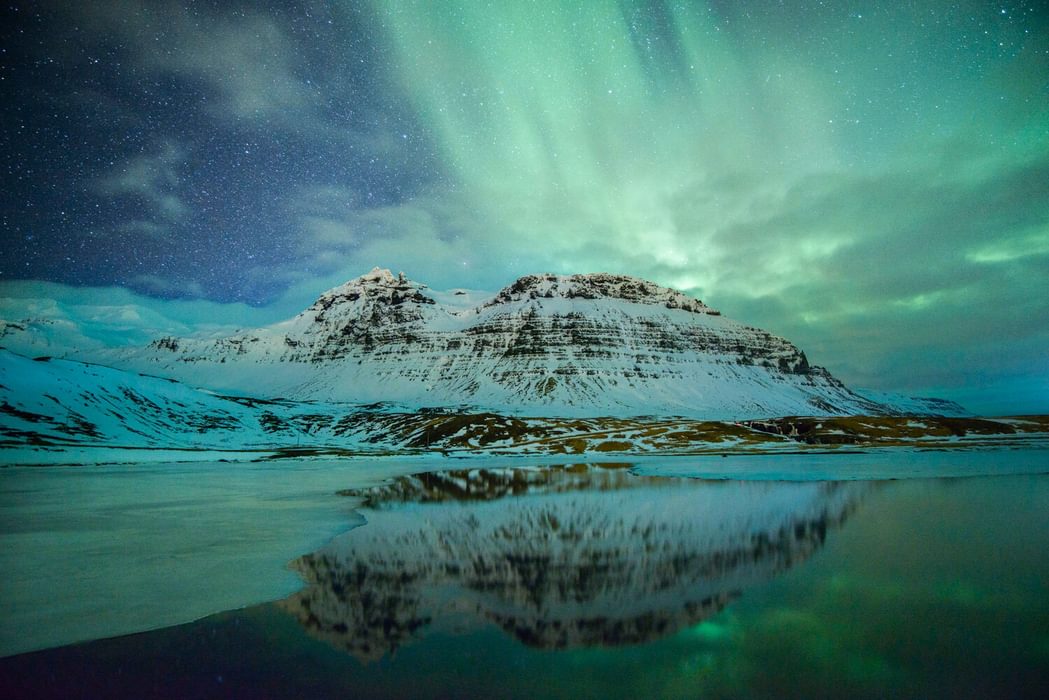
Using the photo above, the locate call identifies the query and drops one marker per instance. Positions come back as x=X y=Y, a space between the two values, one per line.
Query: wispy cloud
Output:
x=83 y=320
x=243 y=57
x=154 y=180
x=164 y=286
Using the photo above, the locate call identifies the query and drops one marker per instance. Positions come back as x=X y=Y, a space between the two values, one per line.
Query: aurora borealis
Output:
x=870 y=180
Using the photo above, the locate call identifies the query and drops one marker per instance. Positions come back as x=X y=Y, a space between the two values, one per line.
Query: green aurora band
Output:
x=870 y=182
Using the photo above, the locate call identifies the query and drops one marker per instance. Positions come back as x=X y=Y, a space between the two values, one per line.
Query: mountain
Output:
x=591 y=344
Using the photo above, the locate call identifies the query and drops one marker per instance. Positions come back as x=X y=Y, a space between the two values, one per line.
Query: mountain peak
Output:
x=375 y=298
x=378 y=277
x=381 y=276
x=598 y=285
x=378 y=285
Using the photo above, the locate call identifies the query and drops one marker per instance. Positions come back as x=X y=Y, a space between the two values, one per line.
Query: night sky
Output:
x=870 y=180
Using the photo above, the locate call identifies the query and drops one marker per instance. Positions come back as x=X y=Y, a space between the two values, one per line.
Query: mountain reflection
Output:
x=558 y=557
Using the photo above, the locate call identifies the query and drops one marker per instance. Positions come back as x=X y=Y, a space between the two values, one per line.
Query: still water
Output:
x=599 y=581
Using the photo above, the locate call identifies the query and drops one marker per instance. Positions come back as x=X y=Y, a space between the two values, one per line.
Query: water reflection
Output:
x=558 y=557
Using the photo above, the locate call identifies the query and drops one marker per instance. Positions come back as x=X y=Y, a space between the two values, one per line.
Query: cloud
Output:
x=437 y=238
x=243 y=57
x=879 y=273
x=154 y=180
x=155 y=285
x=326 y=215
x=81 y=322
x=254 y=70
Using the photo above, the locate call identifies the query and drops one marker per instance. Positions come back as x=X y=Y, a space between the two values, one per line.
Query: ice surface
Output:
x=557 y=558
x=95 y=552
x=882 y=464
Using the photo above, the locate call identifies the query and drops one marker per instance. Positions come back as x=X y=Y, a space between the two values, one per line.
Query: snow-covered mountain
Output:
x=593 y=344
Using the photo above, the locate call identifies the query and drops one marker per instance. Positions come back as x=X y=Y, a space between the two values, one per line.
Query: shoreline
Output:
x=78 y=455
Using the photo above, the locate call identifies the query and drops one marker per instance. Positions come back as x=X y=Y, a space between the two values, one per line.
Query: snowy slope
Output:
x=52 y=410
x=593 y=344
x=902 y=404
x=64 y=402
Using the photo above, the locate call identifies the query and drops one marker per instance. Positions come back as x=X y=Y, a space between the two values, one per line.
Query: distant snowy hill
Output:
x=895 y=404
x=62 y=402
x=593 y=344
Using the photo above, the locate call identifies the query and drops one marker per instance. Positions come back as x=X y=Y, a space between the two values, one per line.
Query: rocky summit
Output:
x=587 y=344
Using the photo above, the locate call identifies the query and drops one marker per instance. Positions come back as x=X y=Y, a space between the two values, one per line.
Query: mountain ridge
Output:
x=593 y=344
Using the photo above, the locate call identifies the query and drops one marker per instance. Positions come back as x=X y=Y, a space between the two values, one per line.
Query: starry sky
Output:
x=869 y=180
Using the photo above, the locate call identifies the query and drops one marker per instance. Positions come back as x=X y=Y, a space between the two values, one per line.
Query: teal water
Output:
x=597 y=582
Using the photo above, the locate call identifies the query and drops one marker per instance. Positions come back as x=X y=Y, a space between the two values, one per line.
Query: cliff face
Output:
x=593 y=344
x=562 y=557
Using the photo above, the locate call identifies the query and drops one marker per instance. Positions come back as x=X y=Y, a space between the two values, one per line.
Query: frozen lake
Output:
x=896 y=573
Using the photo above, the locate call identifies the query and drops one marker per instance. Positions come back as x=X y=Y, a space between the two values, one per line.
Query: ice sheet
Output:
x=883 y=463
x=94 y=552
